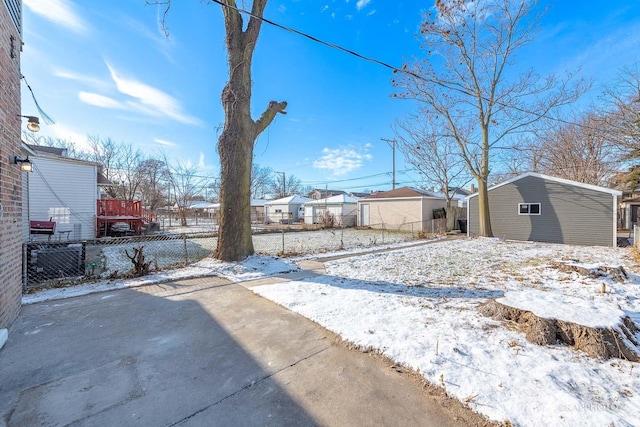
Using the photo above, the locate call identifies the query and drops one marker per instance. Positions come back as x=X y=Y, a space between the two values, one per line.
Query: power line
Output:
x=391 y=67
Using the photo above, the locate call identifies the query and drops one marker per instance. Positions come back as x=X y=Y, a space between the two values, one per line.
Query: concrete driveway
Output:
x=196 y=352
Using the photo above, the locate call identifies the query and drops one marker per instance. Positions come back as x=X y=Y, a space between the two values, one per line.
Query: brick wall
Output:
x=10 y=175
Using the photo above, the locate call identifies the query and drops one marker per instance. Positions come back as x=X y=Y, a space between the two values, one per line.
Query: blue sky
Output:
x=106 y=69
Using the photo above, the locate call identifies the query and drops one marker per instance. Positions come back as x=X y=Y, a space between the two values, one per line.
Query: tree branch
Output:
x=269 y=114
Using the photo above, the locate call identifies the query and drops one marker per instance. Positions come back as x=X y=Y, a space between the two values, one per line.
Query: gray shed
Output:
x=543 y=208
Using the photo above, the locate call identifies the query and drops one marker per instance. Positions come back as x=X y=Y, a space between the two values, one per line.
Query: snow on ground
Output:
x=168 y=253
x=418 y=307
x=255 y=267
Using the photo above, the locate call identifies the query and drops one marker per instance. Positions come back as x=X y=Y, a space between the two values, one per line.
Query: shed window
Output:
x=278 y=210
x=528 y=208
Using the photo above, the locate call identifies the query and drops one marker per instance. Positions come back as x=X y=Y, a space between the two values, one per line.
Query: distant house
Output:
x=257 y=210
x=404 y=208
x=285 y=210
x=358 y=195
x=204 y=209
x=343 y=210
x=543 y=208
x=629 y=210
x=63 y=190
x=318 y=193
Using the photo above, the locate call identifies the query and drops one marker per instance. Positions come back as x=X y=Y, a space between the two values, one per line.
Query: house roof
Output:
x=291 y=200
x=102 y=180
x=340 y=199
x=258 y=202
x=554 y=179
x=328 y=192
x=358 y=195
x=201 y=204
x=459 y=191
x=402 y=192
x=49 y=150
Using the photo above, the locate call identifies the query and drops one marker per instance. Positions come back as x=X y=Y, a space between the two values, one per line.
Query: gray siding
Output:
x=569 y=214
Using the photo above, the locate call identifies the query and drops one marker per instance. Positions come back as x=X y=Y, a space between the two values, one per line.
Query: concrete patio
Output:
x=197 y=352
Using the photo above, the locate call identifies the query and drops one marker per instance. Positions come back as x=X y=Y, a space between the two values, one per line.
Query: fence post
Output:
x=186 y=254
x=25 y=266
x=282 y=242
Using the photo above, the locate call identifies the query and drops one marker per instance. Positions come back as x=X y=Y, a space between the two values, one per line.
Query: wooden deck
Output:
x=130 y=212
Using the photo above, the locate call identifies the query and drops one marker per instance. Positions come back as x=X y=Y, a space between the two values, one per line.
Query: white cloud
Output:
x=88 y=80
x=165 y=142
x=372 y=12
x=360 y=4
x=60 y=12
x=282 y=8
x=149 y=100
x=324 y=8
x=341 y=161
x=100 y=101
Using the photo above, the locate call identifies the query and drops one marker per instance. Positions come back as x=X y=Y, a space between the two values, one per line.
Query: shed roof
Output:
x=291 y=200
x=335 y=200
x=202 y=204
x=402 y=192
x=554 y=179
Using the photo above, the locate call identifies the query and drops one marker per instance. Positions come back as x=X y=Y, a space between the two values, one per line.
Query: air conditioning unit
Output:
x=58 y=262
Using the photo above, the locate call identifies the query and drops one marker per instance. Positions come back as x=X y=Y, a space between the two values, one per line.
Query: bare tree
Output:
x=466 y=88
x=436 y=157
x=106 y=152
x=32 y=138
x=622 y=103
x=283 y=186
x=580 y=150
x=130 y=172
x=236 y=142
x=185 y=185
x=154 y=183
x=261 y=180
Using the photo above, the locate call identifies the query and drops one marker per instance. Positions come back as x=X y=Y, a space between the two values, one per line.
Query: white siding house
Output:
x=342 y=208
x=287 y=209
x=63 y=190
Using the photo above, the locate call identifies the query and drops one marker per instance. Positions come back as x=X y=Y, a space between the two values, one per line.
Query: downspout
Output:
x=615 y=221
x=468 y=216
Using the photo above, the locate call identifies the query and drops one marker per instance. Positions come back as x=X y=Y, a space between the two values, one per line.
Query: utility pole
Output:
x=392 y=144
x=284 y=188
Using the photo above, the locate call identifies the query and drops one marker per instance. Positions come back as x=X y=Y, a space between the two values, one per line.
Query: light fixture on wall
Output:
x=33 y=123
x=25 y=164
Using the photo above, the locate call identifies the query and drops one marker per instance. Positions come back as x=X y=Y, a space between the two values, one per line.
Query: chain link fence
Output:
x=64 y=263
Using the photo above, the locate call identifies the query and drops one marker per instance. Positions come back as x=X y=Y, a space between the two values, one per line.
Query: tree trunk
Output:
x=235 y=145
x=236 y=152
x=483 y=178
x=483 y=209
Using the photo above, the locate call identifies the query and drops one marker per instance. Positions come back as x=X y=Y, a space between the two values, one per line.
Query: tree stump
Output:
x=599 y=342
x=616 y=273
x=140 y=266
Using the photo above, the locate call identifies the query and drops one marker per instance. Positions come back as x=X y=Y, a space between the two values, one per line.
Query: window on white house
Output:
x=278 y=210
x=528 y=208
x=60 y=215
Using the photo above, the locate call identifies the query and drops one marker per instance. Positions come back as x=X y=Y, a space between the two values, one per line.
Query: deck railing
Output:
x=128 y=208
